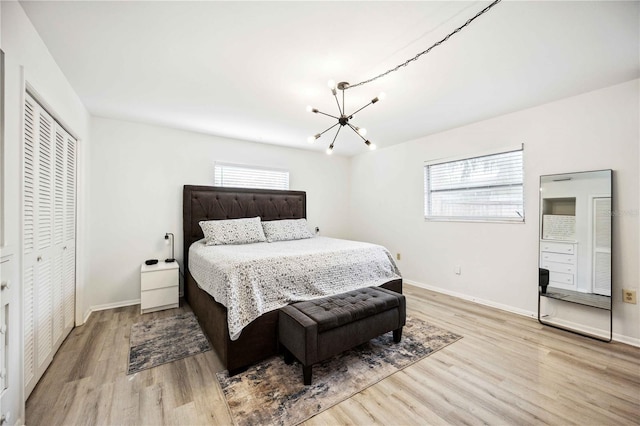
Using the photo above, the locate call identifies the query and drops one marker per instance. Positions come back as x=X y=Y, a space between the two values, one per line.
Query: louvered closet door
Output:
x=58 y=228
x=48 y=225
x=69 y=236
x=29 y=183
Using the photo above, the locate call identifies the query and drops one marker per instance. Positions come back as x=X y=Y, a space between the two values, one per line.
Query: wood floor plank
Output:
x=507 y=369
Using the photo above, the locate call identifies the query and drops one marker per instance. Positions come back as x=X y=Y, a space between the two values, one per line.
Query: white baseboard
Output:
x=484 y=302
x=577 y=327
x=632 y=341
x=105 y=306
x=596 y=332
x=616 y=337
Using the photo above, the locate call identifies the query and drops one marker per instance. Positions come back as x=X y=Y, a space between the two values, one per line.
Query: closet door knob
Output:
x=39 y=258
x=5 y=284
x=3 y=329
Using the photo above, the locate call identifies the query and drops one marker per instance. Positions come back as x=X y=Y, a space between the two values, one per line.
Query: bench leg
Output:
x=288 y=356
x=397 y=335
x=306 y=374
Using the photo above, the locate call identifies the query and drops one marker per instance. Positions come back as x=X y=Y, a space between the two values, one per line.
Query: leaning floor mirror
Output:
x=574 y=292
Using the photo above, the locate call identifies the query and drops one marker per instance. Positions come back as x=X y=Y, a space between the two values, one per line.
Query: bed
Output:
x=258 y=339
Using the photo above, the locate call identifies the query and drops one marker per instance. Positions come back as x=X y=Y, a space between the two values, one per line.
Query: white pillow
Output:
x=284 y=230
x=232 y=231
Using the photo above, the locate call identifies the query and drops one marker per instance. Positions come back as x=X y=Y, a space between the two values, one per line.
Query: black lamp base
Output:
x=169 y=260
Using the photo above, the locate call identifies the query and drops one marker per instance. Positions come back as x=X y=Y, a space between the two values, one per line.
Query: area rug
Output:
x=164 y=340
x=272 y=392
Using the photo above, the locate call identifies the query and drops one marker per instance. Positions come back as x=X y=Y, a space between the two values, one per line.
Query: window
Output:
x=485 y=188
x=240 y=176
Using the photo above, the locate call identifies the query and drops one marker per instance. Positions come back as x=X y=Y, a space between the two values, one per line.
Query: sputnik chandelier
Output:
x=343 y=118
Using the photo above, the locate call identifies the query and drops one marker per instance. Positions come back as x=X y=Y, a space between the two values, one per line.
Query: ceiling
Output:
x=247 y=70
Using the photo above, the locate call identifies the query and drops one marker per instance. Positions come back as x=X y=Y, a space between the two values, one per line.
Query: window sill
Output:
x=473 y=220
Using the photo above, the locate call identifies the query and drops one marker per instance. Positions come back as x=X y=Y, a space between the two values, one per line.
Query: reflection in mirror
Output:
x=575 y=242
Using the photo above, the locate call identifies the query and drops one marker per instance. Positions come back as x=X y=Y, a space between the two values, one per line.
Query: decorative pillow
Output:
x=232 y=231
x=284 y=230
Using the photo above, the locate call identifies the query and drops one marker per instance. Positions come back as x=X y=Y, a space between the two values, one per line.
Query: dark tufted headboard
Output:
x=216 y=203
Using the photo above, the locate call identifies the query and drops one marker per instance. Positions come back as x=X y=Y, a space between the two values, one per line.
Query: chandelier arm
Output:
x=338 y=102
x=328 y=115
x=354 y=113
x=325 y=131
x=354 y=129
x=335 y=137
x=436 y=44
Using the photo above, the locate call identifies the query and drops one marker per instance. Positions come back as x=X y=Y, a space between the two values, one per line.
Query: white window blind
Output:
x=485 y=188
x=240 y=176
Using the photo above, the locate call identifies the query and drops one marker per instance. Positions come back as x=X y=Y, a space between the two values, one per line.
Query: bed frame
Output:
x=259 y=339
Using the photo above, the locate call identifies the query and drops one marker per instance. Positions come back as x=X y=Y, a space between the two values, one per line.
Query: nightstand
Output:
x=159 y=286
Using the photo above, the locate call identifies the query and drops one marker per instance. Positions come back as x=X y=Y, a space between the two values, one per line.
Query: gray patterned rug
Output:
x=272 y=392
x=164 y=340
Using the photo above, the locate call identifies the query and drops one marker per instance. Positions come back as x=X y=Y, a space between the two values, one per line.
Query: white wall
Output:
x=136 y=177
x=596 y=130
x=28 y=62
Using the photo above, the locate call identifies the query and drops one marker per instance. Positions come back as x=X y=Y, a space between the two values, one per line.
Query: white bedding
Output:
x=252 y=279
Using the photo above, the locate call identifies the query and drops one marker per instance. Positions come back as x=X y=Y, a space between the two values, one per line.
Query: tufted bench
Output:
x=315 y=330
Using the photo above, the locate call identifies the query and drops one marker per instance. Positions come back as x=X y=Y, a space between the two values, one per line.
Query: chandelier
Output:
x=343 y=118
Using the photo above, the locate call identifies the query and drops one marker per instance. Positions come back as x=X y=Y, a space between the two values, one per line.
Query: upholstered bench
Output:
x=315 y=330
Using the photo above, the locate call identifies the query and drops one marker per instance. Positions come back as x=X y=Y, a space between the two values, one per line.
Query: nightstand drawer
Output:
x=159 y=299
x=158 y=279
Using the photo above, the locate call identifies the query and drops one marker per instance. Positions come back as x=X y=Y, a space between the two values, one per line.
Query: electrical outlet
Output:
x=398 y=256
x=629 y=296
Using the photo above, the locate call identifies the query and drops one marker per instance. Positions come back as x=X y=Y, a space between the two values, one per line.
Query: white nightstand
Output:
x=159 y=286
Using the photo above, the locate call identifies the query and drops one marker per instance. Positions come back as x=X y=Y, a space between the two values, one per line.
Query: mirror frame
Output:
x=573 y=296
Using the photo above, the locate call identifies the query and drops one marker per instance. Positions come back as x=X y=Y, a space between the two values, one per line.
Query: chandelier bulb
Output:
x=311 y=139
x=330 y=150
x=361 y=131
x=331 y=84
x=372 y=146
x=382 y=96
x=309 y=108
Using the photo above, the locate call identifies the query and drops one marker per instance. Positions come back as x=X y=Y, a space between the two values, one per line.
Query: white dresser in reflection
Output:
x=560 y=258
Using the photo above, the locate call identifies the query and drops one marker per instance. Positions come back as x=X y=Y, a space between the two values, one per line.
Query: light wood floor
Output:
x=507 y=370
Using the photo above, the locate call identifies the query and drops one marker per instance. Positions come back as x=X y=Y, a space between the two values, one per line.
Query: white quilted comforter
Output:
x=252 y=279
